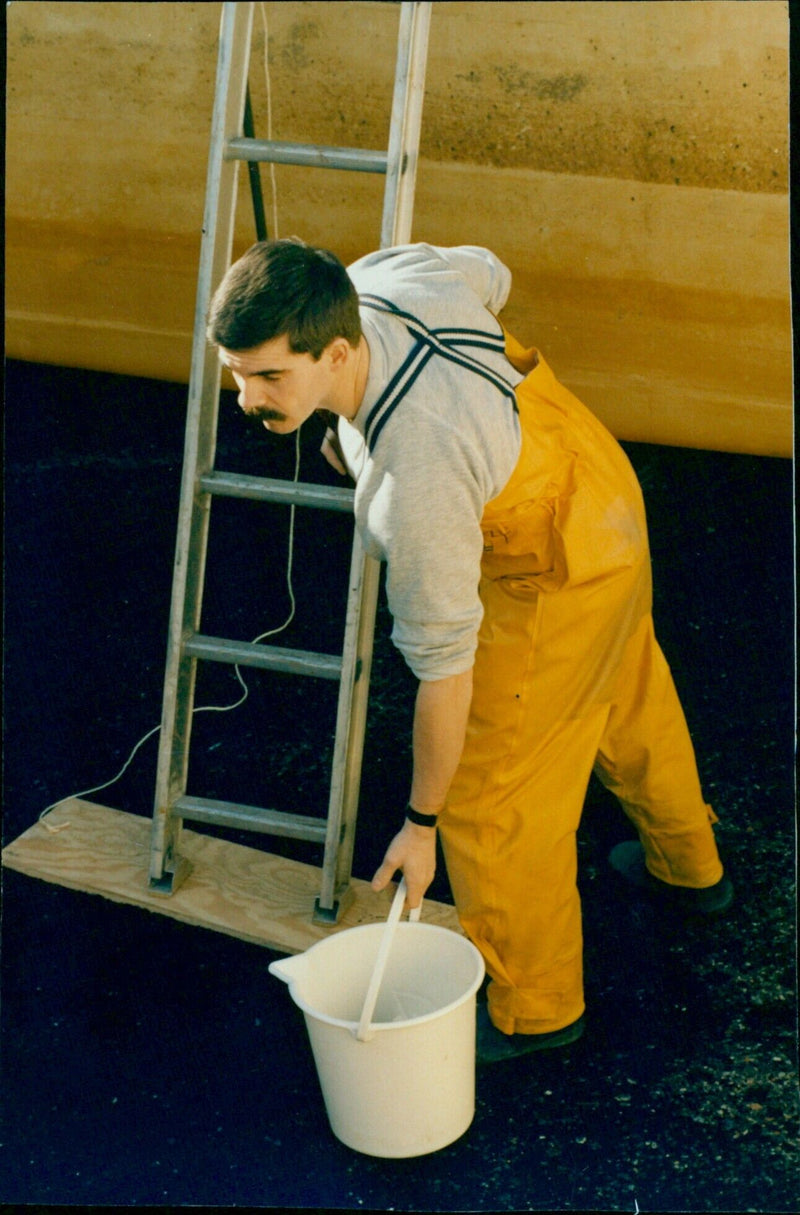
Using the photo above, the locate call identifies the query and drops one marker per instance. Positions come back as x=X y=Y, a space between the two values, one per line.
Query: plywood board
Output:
x=241 y=891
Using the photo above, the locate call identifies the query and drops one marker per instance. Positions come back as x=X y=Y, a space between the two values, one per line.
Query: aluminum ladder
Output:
x=201 y=481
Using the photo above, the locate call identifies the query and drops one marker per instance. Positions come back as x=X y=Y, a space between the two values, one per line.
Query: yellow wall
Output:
x=628 y=160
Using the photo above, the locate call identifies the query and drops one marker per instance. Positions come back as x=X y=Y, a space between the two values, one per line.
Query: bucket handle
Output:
x=362 y=1032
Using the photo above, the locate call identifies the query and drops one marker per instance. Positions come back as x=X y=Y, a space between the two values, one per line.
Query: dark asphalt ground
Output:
x=150 y=1063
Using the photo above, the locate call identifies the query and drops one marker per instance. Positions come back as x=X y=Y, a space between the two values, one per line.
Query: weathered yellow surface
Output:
x=628 y=160
x=243 y=892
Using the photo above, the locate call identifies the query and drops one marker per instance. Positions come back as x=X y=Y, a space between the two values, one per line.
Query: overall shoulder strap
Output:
x=448 y=342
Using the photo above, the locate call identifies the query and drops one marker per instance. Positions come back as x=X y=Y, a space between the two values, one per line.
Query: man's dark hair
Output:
x=285 y=286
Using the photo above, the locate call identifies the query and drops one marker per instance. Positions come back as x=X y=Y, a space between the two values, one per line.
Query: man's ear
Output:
x=339 y=350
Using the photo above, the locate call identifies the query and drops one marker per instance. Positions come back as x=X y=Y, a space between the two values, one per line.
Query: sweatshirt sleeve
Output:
x=425 y=523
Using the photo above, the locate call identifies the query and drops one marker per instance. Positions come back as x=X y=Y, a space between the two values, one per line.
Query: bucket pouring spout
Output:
x=291 y=969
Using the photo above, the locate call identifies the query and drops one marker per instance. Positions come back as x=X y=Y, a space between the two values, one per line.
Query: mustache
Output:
x=265 y=415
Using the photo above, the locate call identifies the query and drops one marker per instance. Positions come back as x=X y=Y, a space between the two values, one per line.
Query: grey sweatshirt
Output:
x=436 y=437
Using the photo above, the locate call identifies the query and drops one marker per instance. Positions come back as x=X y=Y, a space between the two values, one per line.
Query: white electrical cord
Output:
x=290 y=550
x=204 y=708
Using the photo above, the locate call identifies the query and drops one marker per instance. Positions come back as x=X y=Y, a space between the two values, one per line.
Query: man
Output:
x=518 y=578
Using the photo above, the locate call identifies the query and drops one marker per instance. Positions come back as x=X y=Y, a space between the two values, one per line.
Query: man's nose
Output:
x=250 y=396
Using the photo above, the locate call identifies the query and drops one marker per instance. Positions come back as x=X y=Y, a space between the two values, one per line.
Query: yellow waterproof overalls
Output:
x=568 y=679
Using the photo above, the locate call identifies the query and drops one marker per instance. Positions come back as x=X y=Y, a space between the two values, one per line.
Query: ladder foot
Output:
x=171 y=879
x=330 y=915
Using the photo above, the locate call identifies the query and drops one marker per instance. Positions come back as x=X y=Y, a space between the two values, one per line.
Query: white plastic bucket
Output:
x=410 y=1088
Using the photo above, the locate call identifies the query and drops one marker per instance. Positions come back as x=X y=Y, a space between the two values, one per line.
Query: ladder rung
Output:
x=267 y=489
x=250 y=818
x=267 y=657
x=279 y=152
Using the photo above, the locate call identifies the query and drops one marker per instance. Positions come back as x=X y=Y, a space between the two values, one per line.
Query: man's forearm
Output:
x=440 y=722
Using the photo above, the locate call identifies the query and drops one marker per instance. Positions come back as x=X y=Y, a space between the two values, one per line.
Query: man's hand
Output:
x=333 y=452
x=413 y=850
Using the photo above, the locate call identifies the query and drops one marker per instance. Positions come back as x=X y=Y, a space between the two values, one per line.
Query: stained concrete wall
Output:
x=628 y=160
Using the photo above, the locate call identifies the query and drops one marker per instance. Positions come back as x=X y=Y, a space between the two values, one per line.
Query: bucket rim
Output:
x=383 y=1026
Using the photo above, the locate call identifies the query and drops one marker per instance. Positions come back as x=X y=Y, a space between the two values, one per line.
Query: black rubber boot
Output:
x=710 y=901
x=494 y=1046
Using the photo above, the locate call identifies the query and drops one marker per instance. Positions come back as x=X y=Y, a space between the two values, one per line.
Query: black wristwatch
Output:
x=421 y=820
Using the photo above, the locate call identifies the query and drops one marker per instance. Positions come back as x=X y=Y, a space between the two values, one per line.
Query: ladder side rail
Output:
x=166 y=871
x=345 y=793
x=404 y=135
x=364 y=580
x=403 y=156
